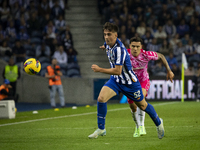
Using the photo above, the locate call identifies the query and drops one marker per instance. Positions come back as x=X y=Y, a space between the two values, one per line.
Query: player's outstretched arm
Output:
x=170 y=74
x=102 y=47
x=112 y=71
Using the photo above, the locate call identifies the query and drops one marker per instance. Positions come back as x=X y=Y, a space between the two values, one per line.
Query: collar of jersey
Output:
x=112 y=47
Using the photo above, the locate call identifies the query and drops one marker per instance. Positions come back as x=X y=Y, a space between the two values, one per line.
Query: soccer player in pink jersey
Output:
x=139 y=60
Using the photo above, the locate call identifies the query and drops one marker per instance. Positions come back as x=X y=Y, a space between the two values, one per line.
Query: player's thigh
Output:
x=142 y=104
x=105 y=94
x=144 y=91
x=145 y=87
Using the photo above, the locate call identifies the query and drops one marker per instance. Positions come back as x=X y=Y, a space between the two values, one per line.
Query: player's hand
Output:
x=102 y=47
x=95 y=68
x=53 y=76
x=170 y=76
x=9 y=86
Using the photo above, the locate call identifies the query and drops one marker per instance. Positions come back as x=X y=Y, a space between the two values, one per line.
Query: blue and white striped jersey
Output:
x=118 y=55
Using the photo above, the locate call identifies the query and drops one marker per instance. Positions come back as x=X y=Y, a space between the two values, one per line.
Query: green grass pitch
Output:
x=68 y=129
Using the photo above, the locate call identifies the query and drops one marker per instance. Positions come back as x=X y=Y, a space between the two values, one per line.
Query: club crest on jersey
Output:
x=110 y=56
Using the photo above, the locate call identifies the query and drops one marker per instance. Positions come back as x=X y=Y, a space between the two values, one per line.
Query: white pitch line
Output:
x=89 y=128
x=75 y=115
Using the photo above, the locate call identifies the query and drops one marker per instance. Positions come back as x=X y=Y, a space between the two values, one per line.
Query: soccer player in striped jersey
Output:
x=139 y=60
x=122 y=79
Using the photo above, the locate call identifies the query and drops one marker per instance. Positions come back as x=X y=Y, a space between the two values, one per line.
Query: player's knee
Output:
x=133 y=107
x=101 y=99
x=142 y=105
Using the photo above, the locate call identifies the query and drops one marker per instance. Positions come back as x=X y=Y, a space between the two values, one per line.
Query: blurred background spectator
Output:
x=153 y=46
x=190 y=71
x=67 y=42
x=35 y=29
x=61 y=56
x=170 y=29
x=5 y=51
x=60 y=24
x=196 y=81
x=166 y=26
x=5 y=12
x=57 y=10
x=43 y=52
x=12 y=73
x=159 y=69
x=165 y=48
x=71 y=55
x=19 y=52
x=176 y=70
x=172 y=60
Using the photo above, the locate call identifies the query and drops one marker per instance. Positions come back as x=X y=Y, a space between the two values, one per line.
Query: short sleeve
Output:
x=104 y=44
x=151 y=55
x=119 y=56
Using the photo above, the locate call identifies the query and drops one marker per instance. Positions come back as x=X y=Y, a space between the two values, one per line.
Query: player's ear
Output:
x=116 y=35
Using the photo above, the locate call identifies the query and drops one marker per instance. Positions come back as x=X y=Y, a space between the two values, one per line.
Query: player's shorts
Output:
x=145 y=85
x=133 y=91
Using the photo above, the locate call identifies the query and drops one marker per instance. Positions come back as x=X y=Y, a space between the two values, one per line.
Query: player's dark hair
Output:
x=110 y=27
x=136 y=39
x=52 y=58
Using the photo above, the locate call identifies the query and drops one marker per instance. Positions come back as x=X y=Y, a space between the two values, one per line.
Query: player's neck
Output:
x=112 y=44
x=136 y=55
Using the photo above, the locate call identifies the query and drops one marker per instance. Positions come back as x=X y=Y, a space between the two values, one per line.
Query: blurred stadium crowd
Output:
x=37 y=28
x=171 y=27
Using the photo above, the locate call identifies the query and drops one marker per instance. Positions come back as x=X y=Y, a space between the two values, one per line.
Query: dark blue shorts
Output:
x=132 y=91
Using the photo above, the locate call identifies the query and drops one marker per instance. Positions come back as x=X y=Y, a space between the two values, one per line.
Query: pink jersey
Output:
x=140 y=63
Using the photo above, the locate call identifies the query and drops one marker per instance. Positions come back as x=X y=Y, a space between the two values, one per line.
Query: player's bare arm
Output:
x=164 y=61
x=102 y=47
x=170 y=74
x=9 y=86
x=48 y=76
x=59 y=73
x=112 y=71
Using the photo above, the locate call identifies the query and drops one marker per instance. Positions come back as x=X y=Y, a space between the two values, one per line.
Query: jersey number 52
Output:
x=137 y=94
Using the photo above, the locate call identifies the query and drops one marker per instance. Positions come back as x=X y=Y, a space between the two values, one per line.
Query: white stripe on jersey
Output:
x=122 y=79
x=124 y=56
x=118 y=61
x=133 y=76
x=118 y=55
x=128 y=78
x=117 y=78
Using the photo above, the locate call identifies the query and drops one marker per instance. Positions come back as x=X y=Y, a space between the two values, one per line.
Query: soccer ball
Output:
x=32 y=66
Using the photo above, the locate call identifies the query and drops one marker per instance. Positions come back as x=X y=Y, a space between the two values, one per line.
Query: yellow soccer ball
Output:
x=32 y=66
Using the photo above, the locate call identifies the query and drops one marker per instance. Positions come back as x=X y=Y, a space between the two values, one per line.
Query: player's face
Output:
x=54 y=61
x=135 y=48
x=110 y=37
